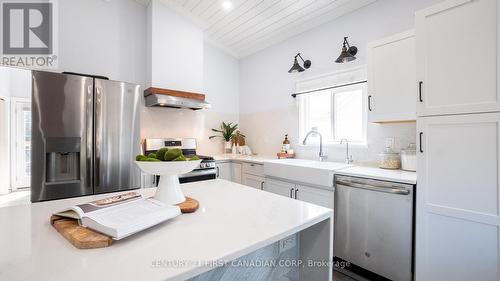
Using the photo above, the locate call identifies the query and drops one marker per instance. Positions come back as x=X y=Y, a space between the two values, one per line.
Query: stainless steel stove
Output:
x=205 y=171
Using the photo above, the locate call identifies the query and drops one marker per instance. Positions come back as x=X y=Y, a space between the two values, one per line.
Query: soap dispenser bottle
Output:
x=286 y=145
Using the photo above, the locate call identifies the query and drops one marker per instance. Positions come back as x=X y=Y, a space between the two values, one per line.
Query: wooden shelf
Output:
x=175 y=93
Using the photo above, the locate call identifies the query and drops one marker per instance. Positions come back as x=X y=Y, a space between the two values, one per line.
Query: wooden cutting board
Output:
x=189 y=206
x=79 y=236
x=85 y=238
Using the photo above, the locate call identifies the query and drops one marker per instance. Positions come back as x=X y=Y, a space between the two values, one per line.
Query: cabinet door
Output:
x=279 y=187
x=458 y=219
x=457 y=57
x=236 y=172
x=392 y=78
x=315 y=196
x=224 y=171
x=253 y=181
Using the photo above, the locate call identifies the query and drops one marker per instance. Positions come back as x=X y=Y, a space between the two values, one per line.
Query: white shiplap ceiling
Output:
x=252 y=25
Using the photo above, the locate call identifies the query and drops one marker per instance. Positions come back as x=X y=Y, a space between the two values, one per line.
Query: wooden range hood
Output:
x=157 y=97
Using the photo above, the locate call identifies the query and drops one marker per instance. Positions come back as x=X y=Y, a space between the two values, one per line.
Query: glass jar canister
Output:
x=389 y=159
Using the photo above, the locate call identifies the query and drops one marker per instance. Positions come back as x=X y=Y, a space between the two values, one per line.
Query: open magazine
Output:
x=122 y=215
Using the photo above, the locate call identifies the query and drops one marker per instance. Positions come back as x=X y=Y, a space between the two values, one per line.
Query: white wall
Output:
x=267 y=110
x=180 y=60
x=4 y=147
x=15 y=82
x=103 y=37
x=176 y=60
x=221 y=85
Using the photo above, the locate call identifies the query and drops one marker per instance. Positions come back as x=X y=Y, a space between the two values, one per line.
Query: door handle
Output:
x=420 y=140
x=296 y=193
x=420 y=91
x=218 y=173
x=262 y=186
x=291 y=192
x=369 y=103
x=98 y=134
x=399 y=191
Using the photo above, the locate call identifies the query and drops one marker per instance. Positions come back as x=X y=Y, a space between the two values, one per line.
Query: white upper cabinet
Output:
x=392 y=78
x=457 y=57
x=458 y=211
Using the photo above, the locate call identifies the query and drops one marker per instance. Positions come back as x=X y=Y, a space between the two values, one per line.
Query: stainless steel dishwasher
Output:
x=374 y=226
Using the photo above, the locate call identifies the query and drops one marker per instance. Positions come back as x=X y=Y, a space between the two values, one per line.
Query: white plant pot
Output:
x=169 y=189
x=228 y=147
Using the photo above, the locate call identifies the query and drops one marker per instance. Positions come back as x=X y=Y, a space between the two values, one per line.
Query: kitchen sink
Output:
x=302 y=170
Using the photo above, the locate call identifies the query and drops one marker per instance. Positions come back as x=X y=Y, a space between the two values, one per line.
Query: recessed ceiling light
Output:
x=227 y=5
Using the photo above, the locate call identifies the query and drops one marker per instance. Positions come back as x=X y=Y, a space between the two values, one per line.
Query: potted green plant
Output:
x=226 y=132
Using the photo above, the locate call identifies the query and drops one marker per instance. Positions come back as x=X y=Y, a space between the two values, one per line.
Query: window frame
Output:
x=303 y=109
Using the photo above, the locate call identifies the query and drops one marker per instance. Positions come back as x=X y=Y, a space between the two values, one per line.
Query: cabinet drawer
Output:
x=253 y=169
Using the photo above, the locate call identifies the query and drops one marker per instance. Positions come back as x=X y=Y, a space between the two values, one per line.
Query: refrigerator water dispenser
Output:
x=63 y=159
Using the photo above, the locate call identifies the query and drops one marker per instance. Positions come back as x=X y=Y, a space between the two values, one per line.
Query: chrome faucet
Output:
x=348 y=158
x=314 y=132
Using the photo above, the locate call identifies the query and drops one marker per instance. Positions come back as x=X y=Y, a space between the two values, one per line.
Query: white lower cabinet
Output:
x=236 y=172
x=253 y=181
x=315 y=195
x=457 y=225
x=279 y=187
x=229 y=171
x=224 y=171
x=300 y=192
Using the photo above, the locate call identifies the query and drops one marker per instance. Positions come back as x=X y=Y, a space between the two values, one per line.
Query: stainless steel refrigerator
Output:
x=85 y=135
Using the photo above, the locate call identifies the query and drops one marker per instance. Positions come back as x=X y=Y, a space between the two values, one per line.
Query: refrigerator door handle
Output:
x=97 y=136
x=90 y=136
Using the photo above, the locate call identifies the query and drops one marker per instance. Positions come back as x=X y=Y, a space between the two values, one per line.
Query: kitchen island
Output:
x=233 y=223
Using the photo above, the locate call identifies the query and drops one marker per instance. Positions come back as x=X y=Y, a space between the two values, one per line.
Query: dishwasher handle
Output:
x=392 y=190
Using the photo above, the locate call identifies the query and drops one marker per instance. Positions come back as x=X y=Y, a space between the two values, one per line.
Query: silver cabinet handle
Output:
x=291 y=192
x=399 y=191
x=262 y=186
x=252 y=165
x=296 y=193
x=218 y=173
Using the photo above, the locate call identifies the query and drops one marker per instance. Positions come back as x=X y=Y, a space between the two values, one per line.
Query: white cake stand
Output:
x=169 y=189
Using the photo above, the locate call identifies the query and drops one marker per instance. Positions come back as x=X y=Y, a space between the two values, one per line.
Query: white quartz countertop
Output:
x=380 y=174
x=233 y=220
x=257 y=159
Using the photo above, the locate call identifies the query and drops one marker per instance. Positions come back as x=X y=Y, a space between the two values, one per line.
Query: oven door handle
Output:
x=199 y=173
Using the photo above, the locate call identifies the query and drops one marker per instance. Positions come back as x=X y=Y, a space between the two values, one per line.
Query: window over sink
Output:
x=338 y=113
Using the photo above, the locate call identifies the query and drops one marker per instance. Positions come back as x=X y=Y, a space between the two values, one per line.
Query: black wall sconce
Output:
x=296 y=66
x=348 y=53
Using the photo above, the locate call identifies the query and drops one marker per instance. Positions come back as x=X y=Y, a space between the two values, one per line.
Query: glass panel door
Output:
x=21 y=134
